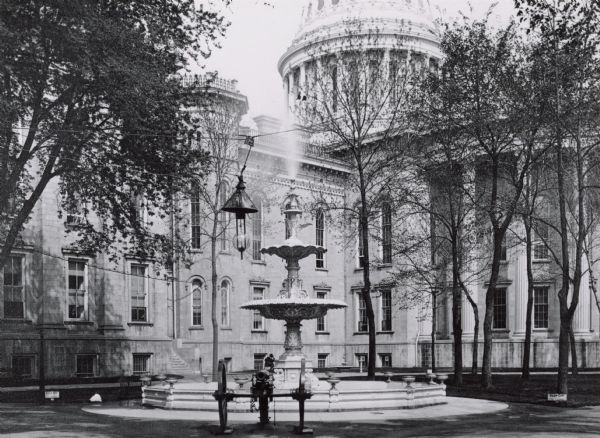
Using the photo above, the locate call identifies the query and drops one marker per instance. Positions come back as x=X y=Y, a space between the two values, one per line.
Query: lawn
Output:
x=584 y=389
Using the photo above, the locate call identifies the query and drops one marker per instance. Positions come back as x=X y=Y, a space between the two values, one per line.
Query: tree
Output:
x=215 y=120
x=355 y=110
x=90 y=97
x=485 y=87
x=568 y=31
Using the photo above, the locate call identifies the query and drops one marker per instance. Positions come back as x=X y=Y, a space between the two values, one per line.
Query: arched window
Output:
x=386 y=233
x=320 y=237
x=225 y=295
x=223 y=218
x=195 y=217
x=197 y=287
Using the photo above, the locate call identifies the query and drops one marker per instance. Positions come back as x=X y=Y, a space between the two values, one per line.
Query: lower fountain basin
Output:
x=349 y=395
x=293 y=309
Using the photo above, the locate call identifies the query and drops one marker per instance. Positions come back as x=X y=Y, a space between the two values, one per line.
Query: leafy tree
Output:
x=568 y=31
x=355 y=109
x=90 y=98
x=485 y=88
x=215 y=120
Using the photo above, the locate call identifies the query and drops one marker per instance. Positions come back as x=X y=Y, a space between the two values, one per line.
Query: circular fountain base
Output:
x=348 y=395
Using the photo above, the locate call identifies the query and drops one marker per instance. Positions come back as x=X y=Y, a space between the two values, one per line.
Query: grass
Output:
x=584 y=389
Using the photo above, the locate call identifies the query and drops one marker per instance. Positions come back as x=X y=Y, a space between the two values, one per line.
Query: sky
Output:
x=260 y=33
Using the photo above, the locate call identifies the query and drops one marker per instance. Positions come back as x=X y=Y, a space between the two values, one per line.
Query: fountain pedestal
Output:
x=293 y=305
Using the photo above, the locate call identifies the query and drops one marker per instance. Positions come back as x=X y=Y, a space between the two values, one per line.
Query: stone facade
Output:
x=100 y=334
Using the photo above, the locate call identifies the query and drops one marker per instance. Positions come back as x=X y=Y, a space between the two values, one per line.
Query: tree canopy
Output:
x=91 y=98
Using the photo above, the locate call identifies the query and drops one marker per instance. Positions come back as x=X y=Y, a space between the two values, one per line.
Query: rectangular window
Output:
x=425 y=350
x=499 y=321
x=540 y=307
x=259 y=361
x=386 y=234
x=540 y=249
x=258 y=322
x=321 y=321
x=362 y=314
x=196 y=218
x=361 y=360
x=140 y=208
x=13 y=288
x=223 y=218
x=386 y=310
x=322 y=360
x=86 y=365
x=503 y=249
x=22 y=366
x=386 y=360
x=360 y=263
x=77 y=289
x=141 y=364
x=139 y=293
x=320 y=238
x=257 y=232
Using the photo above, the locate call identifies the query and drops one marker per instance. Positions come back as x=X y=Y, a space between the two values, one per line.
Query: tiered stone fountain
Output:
x=293 y=305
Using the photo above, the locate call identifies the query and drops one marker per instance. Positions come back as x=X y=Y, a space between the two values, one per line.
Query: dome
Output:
x=326 y=23
x=325 y=13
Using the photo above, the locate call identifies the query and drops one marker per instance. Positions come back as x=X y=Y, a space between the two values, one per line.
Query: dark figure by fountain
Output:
x=270 y=362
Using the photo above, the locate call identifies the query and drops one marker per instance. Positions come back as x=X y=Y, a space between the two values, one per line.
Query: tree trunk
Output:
x=574 y=367
x=528 y=323
x=366 y=294
x=456 y=316
x=488 y=338
x=475 y=308
x=433 y=328
x=213 y=310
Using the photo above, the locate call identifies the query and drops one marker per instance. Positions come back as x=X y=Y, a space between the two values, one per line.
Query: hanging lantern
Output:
x=240 y=204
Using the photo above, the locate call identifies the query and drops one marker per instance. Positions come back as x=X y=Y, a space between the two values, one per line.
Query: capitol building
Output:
x=99 y=318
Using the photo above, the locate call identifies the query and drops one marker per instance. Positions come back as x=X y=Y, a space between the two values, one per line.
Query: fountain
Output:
x=292 y=305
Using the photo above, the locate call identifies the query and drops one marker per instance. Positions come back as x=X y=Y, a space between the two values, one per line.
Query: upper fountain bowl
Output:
x=290 y=309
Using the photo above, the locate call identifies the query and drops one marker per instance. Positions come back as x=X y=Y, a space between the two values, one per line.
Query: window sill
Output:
x=358 y=269
x=77 y=322
x=360 y=333
x=322 y=333
x=16 y=320
x=504 y=262
x=196 y=251
x=140 y=323
x=259 y=331
x=258 y=262
x=542 y=330
x=226 y=328
x=501 y=330
x=540 y=261
x=322 y=269
x=225 y=252
x=384 y=266
x=385 y=332
x=196 y=327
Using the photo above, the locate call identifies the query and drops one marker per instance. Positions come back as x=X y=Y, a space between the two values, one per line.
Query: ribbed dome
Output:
x=396 y=24
x=320 y=14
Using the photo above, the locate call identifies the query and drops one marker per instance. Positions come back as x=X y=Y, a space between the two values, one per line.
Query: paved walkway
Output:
x=455 y=406
x=518 y=420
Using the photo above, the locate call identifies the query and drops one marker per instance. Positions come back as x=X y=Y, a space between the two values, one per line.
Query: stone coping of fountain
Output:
x=349 y=395
x=455 y=406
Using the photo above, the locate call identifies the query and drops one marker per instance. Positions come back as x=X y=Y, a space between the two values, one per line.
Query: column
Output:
x=291 y=98
x=468 y=319
x=286 y=88
x=302 y=89
x=521 y=285
x=581 y=319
